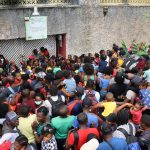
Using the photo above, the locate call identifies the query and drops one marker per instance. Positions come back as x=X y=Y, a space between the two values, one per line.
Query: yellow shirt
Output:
x=25 y=127
x=120 y=62
x=109 y=108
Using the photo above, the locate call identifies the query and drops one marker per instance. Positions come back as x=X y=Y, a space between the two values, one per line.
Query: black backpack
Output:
x=56 y=106
x=131 y=140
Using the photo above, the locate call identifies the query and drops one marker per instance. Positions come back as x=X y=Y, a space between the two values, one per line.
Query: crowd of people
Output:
x=87 y=102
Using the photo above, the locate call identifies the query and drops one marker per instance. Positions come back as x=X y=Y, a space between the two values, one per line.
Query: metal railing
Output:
x=32 y=2
x=125 y=1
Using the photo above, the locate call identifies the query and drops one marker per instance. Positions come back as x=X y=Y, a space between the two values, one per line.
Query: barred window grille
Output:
x=32 y=2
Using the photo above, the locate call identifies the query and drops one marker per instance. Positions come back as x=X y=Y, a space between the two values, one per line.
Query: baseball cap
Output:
x=87 y=102
x=41 y=75
x=11 y=116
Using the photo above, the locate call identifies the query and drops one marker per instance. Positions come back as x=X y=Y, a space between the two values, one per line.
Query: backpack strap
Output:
x=125 y=133
x=110 y=145
x=76 y=137
x=11 y=90
x=130 y=129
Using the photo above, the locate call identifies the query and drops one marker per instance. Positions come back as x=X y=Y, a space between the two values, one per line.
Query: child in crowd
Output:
x=48 y=142
x=144 y=93
x=136 y=112
x=109 y=105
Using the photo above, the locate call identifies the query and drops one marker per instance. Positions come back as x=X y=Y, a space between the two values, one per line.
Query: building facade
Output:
x=81 y=26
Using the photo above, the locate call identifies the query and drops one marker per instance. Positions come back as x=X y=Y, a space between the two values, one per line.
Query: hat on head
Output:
x=11 y=116
x=41 y=75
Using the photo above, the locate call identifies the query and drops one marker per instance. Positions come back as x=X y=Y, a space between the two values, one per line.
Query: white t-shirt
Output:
x=9 y=137
x=48 y=104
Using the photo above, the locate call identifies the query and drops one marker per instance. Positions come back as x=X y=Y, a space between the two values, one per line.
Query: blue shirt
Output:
x=145 y=96
x=102 y=65
x=117 y=144
x=104 y=83
x=92 y=119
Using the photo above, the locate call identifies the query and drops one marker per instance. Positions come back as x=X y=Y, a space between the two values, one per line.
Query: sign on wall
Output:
x=36 y=28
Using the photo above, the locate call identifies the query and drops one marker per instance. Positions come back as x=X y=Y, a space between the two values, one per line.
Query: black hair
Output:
x=25 y=93
x=91 y=136
x=103 y=57
x=76 y=66
x=87 y=59
x=23 y=110
x=122 y=52
x=59 y=74
x=66 y=74
x=53 y=90
x=114 y=62
x=90 y=84
x=58 y=63
x=123 y=117
x=108 y=70
x=88 y=69
x=77 y=79
x=63 y=111
x=146 y=120
x=22 y=140
x=42 y=49
x=47 y=129
x=106 y=129
x=139 y=103
x=82 y=118
x=119 y=78
x=96 y=55
x=43 y=110
x=25 y=77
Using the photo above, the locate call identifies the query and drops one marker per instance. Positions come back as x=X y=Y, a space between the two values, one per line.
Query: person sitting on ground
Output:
x=111 y=142
x=109 y=105
x=62 y=124
x=82 y=133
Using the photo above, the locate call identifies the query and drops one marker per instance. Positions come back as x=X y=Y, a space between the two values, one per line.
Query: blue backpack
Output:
x=131 y=140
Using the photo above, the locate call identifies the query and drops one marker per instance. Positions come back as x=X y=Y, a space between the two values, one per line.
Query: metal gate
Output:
x=18 y=49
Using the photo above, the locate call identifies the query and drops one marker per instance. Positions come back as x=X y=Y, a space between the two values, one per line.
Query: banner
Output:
x=36 y=28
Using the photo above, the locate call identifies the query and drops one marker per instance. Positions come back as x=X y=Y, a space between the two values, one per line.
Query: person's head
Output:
x=138 y=106
x=109 y=97
x=12 y=119
x=103 y=57
x=82 y=119
x=90 y=84
x=23 y=111
x=53 y=90
x=108 y=71
x=145 y=122
x=106 y=131
x=87 y=103
x=39 y=99
x=114 y=62
x=79 y=92
x=88 y=69
x=18 y=76
x=66 y=74
x=123 y=117
x=47 y=132
x=119 y=78
x=96 y=55
x=111 y=119
x=11 y=80
x=21 y=143
x=77 y=79
x=63 y=111
x=42 y=114
x=25 y=93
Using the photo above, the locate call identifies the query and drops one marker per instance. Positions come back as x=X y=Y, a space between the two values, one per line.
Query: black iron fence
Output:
x=125 y=1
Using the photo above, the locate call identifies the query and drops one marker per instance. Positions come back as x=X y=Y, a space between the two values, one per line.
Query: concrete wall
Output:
x=86 y=27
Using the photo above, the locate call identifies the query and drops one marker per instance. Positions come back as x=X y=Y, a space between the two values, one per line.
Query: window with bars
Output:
x=32 y=2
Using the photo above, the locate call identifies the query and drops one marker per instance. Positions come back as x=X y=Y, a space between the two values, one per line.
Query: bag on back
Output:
x=56 y=106
x=90 y=94
x=131 y=140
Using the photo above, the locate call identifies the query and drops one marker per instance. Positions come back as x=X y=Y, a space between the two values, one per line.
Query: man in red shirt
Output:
x=81 y=134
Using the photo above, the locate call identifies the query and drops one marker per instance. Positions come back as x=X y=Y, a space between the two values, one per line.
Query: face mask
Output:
x=38 y=102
